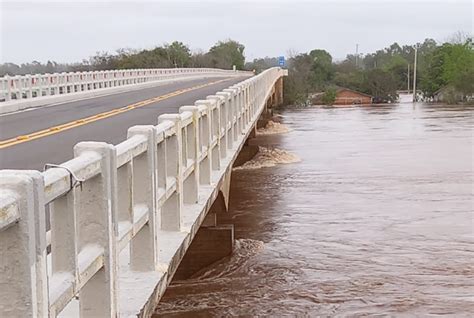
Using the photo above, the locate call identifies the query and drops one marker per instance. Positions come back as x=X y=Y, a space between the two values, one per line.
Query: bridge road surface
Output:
x=57 y=147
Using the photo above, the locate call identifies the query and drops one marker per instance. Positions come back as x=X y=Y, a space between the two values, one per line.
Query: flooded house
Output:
x=345 y=96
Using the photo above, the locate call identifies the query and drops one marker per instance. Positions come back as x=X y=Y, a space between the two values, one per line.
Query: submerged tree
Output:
x=329 y=96
x=382 y=84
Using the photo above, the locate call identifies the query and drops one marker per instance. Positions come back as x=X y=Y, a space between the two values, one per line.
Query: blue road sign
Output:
x=281 y=61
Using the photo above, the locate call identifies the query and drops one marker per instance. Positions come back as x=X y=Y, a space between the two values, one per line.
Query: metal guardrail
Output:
x=109 y=198
x=31 y=86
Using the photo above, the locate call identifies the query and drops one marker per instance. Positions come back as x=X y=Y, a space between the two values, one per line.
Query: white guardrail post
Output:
x=172 y=206
x=219 y=120
x=109 y=198
x=23 y=278
x=208 y=138
x=97 y=232
x=144 y=245
x=192 y=153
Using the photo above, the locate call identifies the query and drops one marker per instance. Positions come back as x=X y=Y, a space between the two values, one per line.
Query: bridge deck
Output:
x=56 y=148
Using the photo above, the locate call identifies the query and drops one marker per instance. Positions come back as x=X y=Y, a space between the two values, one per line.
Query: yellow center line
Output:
x=84 y=121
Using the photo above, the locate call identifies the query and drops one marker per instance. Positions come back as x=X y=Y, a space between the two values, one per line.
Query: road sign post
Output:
x=281 y=61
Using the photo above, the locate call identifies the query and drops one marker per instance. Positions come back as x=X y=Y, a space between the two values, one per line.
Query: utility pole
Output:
x=357 y=54
x=414 y=75
x=408 y=78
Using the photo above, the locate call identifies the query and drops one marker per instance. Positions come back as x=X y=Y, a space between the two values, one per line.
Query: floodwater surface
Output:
x=355 y=211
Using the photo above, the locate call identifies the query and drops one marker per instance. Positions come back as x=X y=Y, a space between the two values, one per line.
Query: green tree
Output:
x=464 y=82
x=225 y=54
x=397 y=66
x=382 y=84
x=321 y=69
x=355 y=80
x=297 y=85
x=179 y=54
x=450 y=65
x=200 y=59
x=329 y=96
x=261 y=64
x=155 y=58
x=100 y=61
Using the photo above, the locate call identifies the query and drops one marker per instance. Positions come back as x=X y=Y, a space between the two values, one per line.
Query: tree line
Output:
x=224 y=54
x=448 y=66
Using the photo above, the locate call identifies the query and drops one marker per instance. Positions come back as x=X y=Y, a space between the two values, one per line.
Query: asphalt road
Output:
x=58 y=147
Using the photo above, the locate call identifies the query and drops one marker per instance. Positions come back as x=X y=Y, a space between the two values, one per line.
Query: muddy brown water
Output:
x=372 y=215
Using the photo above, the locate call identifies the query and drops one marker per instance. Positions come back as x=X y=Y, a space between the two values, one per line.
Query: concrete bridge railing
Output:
x=32 y=86
x=145 y=197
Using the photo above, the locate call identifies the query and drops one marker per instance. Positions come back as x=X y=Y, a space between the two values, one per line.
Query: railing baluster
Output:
x=171 y=210
x=205 y=141
x=98 y=229
x=161 y=173
x=64 y=265
x=231 y=115
x=8 y=84
x=23 y=279
x=144 y=245
x=221 y=124
x=125 y=195
x=191 y=183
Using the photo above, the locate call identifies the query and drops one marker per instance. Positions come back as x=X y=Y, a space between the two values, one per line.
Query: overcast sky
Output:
x=68 y=31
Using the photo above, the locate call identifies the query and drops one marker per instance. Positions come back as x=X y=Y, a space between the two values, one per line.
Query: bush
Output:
x=329 y=96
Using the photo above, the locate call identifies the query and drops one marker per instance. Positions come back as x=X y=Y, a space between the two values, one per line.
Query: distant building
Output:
x=345 y=96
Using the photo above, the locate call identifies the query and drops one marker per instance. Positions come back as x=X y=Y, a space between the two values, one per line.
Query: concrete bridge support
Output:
x=275 y=99
x=211 y=243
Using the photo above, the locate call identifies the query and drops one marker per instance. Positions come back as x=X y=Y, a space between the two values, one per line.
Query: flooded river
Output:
x=348 y=212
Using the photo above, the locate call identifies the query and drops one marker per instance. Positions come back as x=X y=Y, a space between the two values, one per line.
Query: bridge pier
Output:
x=274 y=100
x=279 y=91
x=211 y=243
x=249 y=150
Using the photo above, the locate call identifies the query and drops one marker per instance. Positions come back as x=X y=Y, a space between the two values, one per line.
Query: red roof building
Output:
x=345 y=96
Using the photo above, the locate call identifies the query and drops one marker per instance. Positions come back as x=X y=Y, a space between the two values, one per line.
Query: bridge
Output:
x=104 y=233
